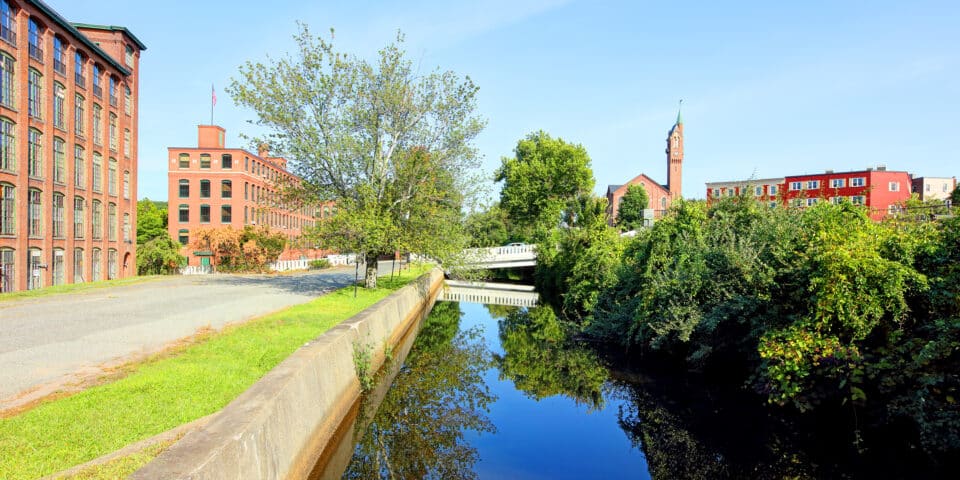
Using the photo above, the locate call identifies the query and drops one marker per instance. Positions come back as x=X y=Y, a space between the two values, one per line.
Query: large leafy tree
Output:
x=151 y=221
x=540 y=181
x=632 y=204
x=390 y=144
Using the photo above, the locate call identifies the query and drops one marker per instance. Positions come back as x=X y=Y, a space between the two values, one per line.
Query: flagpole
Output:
x=213 y=96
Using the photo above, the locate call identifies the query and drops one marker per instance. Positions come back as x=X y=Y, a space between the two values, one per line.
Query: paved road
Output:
x=50 y=340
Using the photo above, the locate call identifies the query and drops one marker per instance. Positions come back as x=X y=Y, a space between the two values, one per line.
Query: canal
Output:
x=501 y=392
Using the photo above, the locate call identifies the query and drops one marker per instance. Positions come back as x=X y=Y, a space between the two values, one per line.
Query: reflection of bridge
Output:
x=501 y=257
x=490 y=293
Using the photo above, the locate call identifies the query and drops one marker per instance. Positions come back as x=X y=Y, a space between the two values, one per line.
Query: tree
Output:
x=632 y=204
x=390 y=145
x=159 y=255
x=539 y=182
x=487 y=228
x=151 y=221
x=955 y=196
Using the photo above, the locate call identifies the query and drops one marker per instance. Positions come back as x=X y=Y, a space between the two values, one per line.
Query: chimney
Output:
x=263 y=150
x=881 y=168
x=828 y=171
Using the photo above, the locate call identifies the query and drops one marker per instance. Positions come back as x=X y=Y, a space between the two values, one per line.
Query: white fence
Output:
x=278 y=266
x=196 y=270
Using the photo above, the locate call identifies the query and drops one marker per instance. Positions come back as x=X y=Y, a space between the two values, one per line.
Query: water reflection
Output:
x=437 y=397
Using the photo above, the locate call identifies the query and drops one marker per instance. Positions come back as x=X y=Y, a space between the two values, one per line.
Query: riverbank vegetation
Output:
x=174 y=388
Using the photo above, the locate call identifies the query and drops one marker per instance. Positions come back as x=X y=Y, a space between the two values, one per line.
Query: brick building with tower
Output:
x=68 y=148
x=211 y=185
x=660 y=196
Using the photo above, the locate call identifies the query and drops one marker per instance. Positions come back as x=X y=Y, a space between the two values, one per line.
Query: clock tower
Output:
x=675 y=157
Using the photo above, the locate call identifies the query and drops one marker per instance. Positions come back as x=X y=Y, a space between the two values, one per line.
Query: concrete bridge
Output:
x=489 y=293
x=508 y=256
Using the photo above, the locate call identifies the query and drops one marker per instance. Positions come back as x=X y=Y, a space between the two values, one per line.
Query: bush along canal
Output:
x=504 y=392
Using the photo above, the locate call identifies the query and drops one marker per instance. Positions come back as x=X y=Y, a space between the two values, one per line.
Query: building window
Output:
x=226 y=161
x=857 y=182
x=58 y=103
x=204 y=188
x=97 y=126
x=126 y=227
x=204 y=160
x=246 y=163
x=97 y=88
x=77 y=265
x=57 y=223
x=79 y=166
x=184 y=188
x=184 y=160
x=36 y=39
x=246 y=187
x=772 y=204
x=226 y=214
x=34 y=278
x=183 y=236
x=838 y=183
x=8 y=209
x=7 y=72
x=59 y=60
x=96 y=265
x=127 y=102
x=112 y=222
x=7 y=268
x=8 y=24
x=944 y=188
x=126 y=142
x=34 y=153
x=226 y=189
x=113 y=91
x=35 y=94
x=78 y=115
x=8 y=158
x=204 y=213
x=184 y=213
x=57 y=266
x=771 y=189
x=730 y=191
x=813 y=184
x=811 y=202
x=35 y=213
x=96 y=219
x=59 y=161
x=894 y=186
x=836 y=200
x=78 y=220
x=796 y=185
x=126 y=184
x=112 y=178
x=757 y=191
x=113 y=132
x=78 y=77
x=97 y=172
x=128 y=56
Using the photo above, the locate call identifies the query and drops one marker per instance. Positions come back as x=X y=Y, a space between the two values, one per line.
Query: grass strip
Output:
x=168 y=391
x=76 y=287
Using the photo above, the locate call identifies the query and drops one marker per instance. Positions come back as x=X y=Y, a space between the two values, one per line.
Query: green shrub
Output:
x=319 y=264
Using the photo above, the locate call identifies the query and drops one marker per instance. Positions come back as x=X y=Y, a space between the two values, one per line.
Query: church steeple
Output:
x=675 y=156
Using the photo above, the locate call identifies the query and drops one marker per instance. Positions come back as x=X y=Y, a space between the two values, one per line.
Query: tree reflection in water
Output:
x=541 y=361
x=438 y=395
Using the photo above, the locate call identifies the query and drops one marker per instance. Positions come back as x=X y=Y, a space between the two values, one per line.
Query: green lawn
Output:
x=76 y=287
x=169 y=391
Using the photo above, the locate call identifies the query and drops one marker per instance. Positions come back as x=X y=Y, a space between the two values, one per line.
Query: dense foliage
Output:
x=816 y=308
x=391 y=145
x=632 y=204
x=157 y=253
x=246 y=250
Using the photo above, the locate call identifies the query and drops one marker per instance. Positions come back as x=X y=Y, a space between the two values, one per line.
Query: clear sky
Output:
x=770 y=88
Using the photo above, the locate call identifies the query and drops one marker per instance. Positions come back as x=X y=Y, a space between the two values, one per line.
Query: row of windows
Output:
x=809 y=202
x=35 y=162
x=253 y=193
x=35 y=265
x=226 y=163
x=251 y=216
x=833 y=182
x=57 y=216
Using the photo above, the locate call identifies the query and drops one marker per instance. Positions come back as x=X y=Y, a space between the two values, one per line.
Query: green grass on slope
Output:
x=167 y=392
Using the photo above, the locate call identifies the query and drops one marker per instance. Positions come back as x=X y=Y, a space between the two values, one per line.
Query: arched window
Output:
x=204 y=213
x=226 y=189
x=59 y=160
x=204 y=160
x=7 y=72
x=78 y=115
x=96 y=216
x=184 y=213
x=35 y=39
x=59 y=56
x=184 y=188
x=8 y=272
x=35 y=153
x=34 y=275
x=35 y=94
x=35 y=213
x=97 y=172
x=57 y=266
x=59 y=103
x=112 y=177
x=204 y=188
x=8 y=157
x=96 y=265
x=663 y=203
x=8 y=209
x=79 y=60
x=184 y=160
x=77 y=265
x=183 y=236
x=126 y=184
x=126 y=228
x=226 y=214
x=56 y=224
x=112 y=261
x=112 y=222
x=78 y=218
x=8 y=23
x=226 y=161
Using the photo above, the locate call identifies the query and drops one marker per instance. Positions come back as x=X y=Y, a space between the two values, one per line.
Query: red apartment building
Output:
x=660 y=196
x=878 y=189
x=68 y=148
x=214 y=186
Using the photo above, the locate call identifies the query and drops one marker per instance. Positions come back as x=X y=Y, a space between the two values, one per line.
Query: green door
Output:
x=205 y=261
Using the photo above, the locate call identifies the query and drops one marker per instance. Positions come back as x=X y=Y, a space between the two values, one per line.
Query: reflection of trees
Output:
x=438 y=395
x=541 y=362
x=499 y=312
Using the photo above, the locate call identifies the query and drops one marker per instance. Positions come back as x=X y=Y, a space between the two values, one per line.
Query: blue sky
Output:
x=769 y=88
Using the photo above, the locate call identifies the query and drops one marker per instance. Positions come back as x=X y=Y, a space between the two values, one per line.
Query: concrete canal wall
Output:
x=276 y=429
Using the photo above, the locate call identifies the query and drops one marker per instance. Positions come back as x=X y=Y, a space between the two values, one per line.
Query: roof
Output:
x=613 y=188
x=63 y=23
x=113 y=28
x=642 y=178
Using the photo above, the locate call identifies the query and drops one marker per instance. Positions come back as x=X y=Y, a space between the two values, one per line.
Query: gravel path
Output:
x=51 y=341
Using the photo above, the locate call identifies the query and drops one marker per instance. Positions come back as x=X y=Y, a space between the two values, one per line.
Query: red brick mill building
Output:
x=68 y=148
x=211 y=185
x=879 y=189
